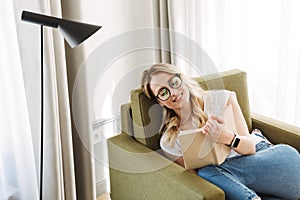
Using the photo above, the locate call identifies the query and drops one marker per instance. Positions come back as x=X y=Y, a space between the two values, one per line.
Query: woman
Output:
x=254 y=169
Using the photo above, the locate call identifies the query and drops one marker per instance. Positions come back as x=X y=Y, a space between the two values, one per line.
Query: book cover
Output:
x=199 y=151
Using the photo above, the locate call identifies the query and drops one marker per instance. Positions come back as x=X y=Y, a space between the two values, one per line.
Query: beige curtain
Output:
x=162 y=38
x=59 y=173
x=75 y=152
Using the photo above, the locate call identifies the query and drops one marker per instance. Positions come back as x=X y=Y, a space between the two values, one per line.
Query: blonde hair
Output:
x=170 y=121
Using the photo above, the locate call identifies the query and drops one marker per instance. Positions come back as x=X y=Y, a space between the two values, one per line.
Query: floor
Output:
x=105 y=196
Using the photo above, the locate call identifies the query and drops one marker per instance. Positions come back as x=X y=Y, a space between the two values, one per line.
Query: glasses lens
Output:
x=175 y=82
x=164 y=94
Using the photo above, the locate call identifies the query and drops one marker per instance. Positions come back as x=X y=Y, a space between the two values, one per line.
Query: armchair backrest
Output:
x=142 y=117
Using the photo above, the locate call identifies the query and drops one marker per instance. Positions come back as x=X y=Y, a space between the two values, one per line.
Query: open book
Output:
x=198 y=151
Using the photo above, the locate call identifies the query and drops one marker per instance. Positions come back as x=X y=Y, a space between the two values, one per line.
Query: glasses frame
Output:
x=176 y=75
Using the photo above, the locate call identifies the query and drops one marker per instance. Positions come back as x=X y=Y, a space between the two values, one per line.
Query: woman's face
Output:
x=170 y=91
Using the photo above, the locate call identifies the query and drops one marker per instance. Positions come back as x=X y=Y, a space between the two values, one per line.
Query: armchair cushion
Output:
x=147 y=118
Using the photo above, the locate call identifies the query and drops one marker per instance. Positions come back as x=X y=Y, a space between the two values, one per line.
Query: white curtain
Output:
x=261 y=37
x=20 y=107
x=18 y=179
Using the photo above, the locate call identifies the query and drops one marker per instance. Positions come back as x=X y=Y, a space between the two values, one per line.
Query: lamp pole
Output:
x=42 y=113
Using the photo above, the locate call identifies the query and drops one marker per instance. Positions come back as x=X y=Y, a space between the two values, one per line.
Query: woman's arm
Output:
x=216 y=130
x=246 y=145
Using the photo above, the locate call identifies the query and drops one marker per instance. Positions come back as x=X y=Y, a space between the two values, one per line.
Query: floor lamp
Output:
x=74 y=33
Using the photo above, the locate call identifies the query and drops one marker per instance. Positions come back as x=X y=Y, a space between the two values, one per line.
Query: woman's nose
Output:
x=174 y=92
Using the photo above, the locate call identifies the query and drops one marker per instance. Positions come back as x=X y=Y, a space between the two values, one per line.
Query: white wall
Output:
x=116 y=17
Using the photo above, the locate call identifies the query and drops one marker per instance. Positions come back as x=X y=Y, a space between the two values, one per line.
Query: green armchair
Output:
x=138 y=170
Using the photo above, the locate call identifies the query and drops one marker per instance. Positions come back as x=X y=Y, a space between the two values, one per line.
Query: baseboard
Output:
x=101 y=187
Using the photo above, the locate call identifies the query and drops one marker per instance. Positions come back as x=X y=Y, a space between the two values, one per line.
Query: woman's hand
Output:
x=216 y=131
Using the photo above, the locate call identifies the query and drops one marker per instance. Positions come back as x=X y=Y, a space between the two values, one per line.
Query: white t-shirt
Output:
x=215 y=102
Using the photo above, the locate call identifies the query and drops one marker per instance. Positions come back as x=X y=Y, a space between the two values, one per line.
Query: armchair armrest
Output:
x=137 y=172
x=277 y=131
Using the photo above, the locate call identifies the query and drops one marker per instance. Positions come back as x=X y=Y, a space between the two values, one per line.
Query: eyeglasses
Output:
x=164 y=93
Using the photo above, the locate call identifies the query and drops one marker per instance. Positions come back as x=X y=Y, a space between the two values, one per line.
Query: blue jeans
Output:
x=272 y=173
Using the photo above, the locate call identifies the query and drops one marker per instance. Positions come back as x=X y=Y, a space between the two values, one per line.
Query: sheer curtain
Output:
x=18 y=178
x=261 y=37
x=20 y=107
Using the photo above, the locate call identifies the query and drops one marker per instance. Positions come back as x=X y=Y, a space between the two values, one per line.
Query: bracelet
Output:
x=235 y=142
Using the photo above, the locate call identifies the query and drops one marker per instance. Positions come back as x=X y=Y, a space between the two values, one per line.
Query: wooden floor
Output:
x=105 y=196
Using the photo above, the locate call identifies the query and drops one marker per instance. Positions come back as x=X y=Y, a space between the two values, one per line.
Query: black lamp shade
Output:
x=73 y=32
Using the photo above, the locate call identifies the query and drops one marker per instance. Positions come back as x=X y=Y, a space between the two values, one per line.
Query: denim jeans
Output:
x=273 y=172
